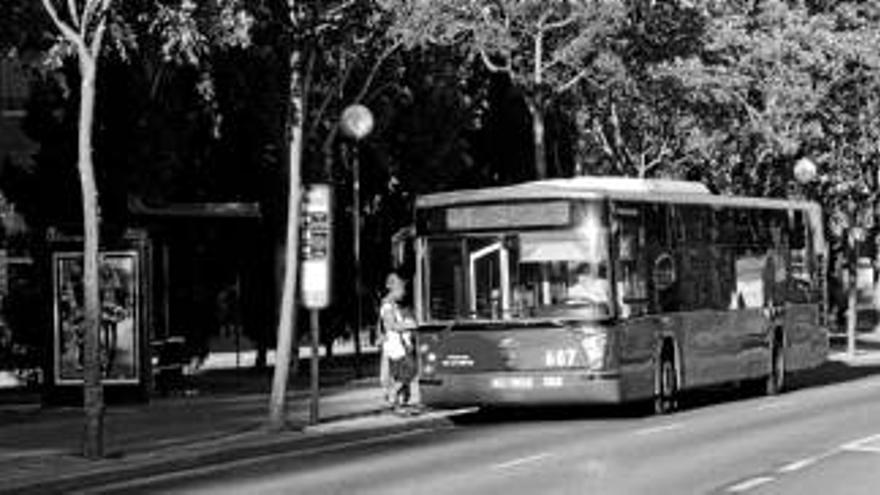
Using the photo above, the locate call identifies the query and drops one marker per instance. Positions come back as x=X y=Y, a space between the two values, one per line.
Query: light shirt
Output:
x=397 y=335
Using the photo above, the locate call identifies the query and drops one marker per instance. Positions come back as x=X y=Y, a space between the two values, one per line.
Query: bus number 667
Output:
x=560 y=358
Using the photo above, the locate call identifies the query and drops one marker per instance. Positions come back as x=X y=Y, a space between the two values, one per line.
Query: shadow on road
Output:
x=520 y=414
x=830 y=373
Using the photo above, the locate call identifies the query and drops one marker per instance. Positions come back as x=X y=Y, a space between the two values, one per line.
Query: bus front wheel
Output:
x=666 y=388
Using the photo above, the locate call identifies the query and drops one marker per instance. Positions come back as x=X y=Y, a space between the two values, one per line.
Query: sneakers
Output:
x=407 y=410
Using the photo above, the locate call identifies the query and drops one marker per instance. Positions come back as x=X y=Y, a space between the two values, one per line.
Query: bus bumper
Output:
x=484 y=389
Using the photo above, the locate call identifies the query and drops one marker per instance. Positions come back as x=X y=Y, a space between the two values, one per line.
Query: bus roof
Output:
x=587 y=187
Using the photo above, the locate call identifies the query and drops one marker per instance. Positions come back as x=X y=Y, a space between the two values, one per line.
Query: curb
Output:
x=215 y=453
x=861 y=357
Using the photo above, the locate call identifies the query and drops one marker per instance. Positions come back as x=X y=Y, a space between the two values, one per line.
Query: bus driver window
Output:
x=590 y=285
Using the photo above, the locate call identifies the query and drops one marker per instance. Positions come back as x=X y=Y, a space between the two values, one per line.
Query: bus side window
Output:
x=779 y=251
x=750 y=261
x=695 y=286
x=799 y=274
x=632 y=292
x=721 y=274
x=728 y=220
x=663 y=279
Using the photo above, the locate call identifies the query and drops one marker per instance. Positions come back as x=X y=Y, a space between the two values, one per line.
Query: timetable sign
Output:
x=316 y=247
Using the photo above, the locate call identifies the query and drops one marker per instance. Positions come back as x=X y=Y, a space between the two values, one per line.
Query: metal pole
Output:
x=356 y=222
x=314 y=415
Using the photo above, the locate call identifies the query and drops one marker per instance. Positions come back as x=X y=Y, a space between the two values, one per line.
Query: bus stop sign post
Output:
x=315 y=279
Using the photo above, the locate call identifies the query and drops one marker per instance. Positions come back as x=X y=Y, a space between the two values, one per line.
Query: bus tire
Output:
x=666 y=383
x=775 y=381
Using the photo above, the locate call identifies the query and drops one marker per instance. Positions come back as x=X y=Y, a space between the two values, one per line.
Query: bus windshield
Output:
x=544 y=273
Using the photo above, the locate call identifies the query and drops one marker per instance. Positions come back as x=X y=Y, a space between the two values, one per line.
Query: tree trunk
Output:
x=93 y=392
x=851 y=289
x=287 y=315
x=538 y=140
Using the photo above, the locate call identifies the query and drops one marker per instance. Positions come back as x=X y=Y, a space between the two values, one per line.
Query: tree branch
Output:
x=661 y=155
x=539 y=56
x=98 y=38
x=574 y=80
x=559 y=24
x=543 y=18
x=91 y=8
x=74 y=14
x=339 y=8
x=375 y=70
x=603 y=139
x=492 y=66
x=308 y=72
x=322 y=109
x=66 y=30
x=754 y=115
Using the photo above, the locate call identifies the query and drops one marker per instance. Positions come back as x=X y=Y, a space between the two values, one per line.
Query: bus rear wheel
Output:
x=666 y=389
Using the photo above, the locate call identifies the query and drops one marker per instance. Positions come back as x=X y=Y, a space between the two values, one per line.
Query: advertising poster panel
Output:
x=120 y=303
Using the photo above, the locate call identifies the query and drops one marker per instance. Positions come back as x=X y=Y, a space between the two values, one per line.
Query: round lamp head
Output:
x=804 y=170
x=357 y=121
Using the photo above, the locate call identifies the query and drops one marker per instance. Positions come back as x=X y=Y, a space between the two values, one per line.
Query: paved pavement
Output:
x=39 y=447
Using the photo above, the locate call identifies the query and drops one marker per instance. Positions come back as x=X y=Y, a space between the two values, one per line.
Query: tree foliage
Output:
x=629 y=121
x=777 y=81
x=544 y=48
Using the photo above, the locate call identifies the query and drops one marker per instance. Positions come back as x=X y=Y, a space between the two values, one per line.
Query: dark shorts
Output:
x=403 y=369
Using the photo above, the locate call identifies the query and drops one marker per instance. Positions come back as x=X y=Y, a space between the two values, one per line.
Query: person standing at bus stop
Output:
x=397 y=342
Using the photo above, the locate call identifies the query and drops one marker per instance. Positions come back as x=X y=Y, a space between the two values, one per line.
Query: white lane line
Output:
x=863 y=445
x=659 y=429
x=798 y=465
x=521 y=461
x=749 y=484
x=867 y=385
x=773 y=405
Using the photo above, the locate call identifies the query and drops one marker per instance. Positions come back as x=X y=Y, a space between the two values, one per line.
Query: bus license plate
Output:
x=513 y=382
x=526 y=382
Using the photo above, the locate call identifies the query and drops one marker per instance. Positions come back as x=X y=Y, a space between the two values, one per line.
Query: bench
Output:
x=169 y=361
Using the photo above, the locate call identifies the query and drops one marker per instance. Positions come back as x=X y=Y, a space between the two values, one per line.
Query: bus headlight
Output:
x=594 y=343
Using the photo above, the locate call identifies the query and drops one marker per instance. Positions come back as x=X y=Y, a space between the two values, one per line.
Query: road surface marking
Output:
x=773 y=405
x=867 y=384
x=798 y=465
x=521 y=461
x=749 y=484
x=863 y=445
x=659 y=429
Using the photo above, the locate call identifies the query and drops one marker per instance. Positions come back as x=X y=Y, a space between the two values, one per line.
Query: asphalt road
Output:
x=822 y=438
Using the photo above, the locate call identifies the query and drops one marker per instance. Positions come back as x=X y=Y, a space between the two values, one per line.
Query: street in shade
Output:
x=820 y=436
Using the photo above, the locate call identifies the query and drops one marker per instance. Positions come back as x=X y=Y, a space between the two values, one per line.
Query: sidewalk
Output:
x=867 y=347
x=39 y=448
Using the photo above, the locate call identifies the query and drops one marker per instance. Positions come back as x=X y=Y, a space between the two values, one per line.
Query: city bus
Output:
x=601 y=290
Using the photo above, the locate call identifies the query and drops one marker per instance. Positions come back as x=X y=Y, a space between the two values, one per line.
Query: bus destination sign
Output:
x=516 y=215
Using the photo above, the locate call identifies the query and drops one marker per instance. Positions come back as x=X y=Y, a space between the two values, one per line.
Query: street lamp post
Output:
x=357 y=123
x=804 y=173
